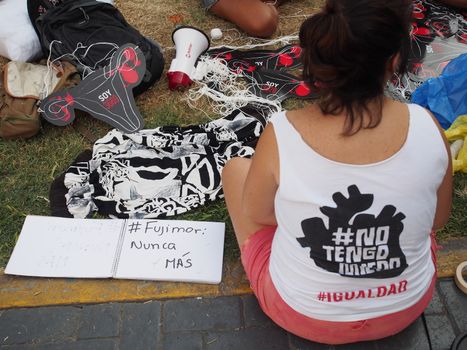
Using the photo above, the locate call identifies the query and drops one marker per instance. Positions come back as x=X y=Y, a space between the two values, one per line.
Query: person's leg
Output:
x=255 y=17
x=233 y=181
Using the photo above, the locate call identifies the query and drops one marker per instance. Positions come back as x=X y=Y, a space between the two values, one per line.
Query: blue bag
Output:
x=446 y=95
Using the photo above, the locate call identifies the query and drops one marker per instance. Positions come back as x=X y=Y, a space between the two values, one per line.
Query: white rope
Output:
x=48 y=76
x=283 y=40
x=401 y=88
x=74 y=55
x=232 y=38
x=47 y=83
x=225 y=91
x=299 y=13
x=251 y=42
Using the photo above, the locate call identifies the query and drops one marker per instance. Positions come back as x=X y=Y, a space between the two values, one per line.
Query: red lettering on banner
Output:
x=392 y=289
x=337 y=296
x=402 y=286
x=111 y=101
x=381 y=291
x=361 y=294
x=378 y=292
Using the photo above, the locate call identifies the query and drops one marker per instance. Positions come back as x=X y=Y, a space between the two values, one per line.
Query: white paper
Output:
x=61 y=247
x=172 y=250
x=169 y=250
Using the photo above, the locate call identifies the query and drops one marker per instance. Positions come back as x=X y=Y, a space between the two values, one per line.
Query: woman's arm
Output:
x=444 y=203
x=262 y=180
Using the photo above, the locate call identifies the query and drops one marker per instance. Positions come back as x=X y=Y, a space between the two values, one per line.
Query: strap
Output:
x=81 y=128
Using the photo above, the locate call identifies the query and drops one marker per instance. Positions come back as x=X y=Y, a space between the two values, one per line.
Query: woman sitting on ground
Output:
x=255 y=17
x=334 y=212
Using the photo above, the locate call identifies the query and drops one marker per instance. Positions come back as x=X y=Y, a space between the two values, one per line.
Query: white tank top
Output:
x=353 y=241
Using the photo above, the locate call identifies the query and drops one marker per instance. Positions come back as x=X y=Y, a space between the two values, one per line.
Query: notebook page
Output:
x=64 y=247
x=172 y=250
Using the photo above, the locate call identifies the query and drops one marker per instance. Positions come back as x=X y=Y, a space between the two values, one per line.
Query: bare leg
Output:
x=255 y=17
x=233 y=181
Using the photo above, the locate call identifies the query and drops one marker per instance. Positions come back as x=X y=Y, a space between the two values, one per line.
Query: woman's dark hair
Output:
x=346 y=48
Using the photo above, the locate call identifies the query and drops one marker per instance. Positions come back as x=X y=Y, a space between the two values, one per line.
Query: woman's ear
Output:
x=394 y=62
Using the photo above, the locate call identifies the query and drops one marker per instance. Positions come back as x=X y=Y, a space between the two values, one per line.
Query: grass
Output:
x=456 y=226
x=27 y=167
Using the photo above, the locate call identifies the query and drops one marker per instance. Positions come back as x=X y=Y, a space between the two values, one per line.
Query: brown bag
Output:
x=22 y=85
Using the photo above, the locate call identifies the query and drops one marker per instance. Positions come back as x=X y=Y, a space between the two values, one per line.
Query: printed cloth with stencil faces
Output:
x=160 y=172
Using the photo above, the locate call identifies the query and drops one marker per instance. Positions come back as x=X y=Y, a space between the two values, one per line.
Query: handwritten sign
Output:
x=173 y=250
x=170 y=250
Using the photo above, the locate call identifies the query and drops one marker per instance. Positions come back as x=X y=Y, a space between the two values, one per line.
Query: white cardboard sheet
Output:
x=169 y=250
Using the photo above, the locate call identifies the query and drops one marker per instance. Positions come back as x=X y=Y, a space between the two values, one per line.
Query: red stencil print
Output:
x=285 y=60
x=287 y=57
x=106 y=94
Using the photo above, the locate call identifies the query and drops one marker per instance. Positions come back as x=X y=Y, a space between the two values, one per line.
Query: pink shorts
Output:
x=255 y=254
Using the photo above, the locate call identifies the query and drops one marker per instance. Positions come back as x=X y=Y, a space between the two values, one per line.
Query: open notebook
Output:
x=169 y=250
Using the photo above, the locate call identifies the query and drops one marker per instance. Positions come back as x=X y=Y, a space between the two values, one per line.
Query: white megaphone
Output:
x=190 y=43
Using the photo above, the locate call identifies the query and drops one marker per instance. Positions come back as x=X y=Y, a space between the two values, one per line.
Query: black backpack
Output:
x=92 y=31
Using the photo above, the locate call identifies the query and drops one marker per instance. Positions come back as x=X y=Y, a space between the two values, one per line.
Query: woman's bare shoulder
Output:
x=309 y=111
